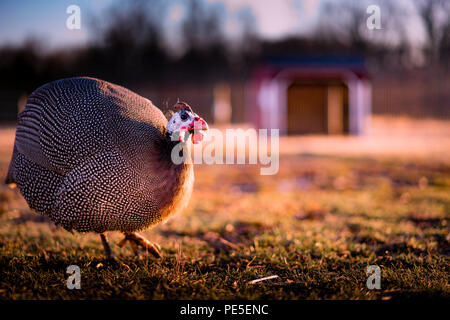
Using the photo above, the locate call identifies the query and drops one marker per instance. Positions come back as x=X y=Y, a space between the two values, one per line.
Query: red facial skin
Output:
x=197 y=137
x=197 y=125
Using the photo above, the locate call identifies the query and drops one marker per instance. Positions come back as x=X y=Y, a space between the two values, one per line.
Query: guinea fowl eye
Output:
x=184 y=116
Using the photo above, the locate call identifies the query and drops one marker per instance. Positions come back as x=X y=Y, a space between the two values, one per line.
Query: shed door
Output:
x=307 y=109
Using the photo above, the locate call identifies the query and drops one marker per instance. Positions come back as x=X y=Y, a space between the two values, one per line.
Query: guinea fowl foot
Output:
x=112 y=262
x=109 y=260
x=137 y=240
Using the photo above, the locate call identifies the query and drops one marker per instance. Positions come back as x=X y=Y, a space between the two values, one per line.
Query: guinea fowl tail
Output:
x=9 y=179
x=10 y=175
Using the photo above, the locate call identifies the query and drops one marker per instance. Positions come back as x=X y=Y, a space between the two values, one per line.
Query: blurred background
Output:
x=364 y=115
x=304 y=66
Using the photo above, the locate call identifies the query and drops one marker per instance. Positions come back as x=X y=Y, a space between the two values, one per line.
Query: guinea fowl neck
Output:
x=168 y=146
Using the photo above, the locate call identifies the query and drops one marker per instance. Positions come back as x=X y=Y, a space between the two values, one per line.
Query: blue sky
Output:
x=46 y=19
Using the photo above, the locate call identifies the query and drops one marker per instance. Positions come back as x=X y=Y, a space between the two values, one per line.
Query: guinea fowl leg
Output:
x=110 y=259
x=138 y=240
x=108 y=252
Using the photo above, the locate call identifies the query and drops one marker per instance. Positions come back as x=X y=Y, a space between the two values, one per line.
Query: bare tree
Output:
x=435 y=16
x=203 y=26
x=343 y=25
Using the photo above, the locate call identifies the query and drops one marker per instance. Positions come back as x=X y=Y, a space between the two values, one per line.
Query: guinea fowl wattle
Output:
x=96 y=157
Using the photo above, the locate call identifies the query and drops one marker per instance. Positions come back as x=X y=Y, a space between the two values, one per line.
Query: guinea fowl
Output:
x=96 y=157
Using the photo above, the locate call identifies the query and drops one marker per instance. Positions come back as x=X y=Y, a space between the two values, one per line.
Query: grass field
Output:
x=336 y=206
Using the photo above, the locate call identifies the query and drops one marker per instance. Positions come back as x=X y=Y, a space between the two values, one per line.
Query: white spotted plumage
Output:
x=93 y=157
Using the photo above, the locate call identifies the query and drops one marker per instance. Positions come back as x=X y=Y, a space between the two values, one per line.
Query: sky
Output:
x=46 y=19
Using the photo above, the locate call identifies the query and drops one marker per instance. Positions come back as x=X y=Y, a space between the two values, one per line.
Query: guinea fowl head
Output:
x=184 y=123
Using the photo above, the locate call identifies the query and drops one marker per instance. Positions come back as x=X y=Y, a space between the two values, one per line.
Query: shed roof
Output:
x=315 y=63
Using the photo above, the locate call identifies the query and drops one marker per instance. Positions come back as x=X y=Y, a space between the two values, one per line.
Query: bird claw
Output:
x=139 y=241
x=111 y=262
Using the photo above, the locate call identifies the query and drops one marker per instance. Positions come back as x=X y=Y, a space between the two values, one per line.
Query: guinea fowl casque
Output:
x=96 y=157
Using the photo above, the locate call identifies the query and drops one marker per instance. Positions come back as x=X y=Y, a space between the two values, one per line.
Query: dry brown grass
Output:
x=337 y=205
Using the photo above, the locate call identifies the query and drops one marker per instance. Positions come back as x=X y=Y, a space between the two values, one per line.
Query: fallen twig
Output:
x=263 y=279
